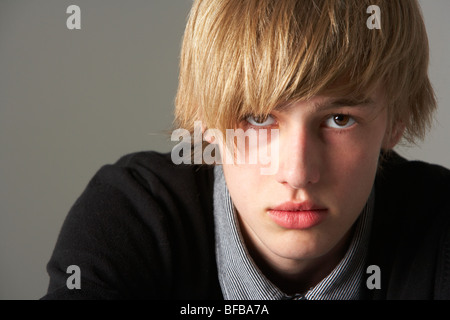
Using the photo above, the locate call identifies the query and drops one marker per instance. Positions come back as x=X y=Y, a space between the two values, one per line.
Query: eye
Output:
x=260 y=121
x=339 y=121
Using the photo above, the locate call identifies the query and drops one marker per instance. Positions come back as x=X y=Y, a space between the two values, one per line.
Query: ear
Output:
x=391 y=139
x=208 y=136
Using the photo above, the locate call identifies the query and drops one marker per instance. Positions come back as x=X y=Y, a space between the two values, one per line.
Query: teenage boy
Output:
x=342 y=217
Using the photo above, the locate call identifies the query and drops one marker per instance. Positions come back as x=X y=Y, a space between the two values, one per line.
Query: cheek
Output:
x=245 y=185
x=357 y=153
x=355 y=166
x=351 y=171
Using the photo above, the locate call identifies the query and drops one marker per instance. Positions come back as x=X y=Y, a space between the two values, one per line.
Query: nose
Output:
x=299 y=159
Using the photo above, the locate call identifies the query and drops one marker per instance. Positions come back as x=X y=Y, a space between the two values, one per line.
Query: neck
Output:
x=298 y=276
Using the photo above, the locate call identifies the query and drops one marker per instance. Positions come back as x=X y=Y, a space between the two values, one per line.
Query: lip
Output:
x=291 y=215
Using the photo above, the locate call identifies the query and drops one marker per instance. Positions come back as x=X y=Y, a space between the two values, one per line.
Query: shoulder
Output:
x=149 y=176
x=413 y=185
x=415 y=190
x=149 y=187
x=136 y=231
x=411 y=226
x=151 y=168
x=418 y=175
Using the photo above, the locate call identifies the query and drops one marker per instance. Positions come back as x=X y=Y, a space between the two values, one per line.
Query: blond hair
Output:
x=245 y=57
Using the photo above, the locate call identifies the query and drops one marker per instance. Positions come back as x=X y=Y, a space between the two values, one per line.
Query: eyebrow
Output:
x=344 y=103
x=330 y=104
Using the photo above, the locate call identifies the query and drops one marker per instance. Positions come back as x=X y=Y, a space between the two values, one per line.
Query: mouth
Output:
x=290 y=215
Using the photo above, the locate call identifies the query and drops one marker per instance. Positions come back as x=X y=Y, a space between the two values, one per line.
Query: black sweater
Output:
x=144 y=229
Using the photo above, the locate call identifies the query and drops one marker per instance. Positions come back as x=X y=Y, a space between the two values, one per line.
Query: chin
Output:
x=301 y=247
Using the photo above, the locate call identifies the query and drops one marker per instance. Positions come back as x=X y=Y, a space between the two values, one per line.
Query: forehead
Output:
x=324 y=102
x=321 y=103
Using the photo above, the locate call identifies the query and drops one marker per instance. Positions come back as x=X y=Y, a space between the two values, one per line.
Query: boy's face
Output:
x=328 y=158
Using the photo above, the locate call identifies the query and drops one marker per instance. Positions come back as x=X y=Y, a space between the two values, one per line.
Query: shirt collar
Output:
x=240 y=278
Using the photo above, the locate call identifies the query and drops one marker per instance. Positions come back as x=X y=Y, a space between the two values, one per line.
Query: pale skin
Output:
x=328 y=155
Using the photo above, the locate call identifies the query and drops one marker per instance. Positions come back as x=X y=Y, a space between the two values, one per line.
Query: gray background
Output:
x=73 y=100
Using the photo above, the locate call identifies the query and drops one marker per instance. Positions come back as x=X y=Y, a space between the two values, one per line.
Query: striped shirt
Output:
x=240 y=278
